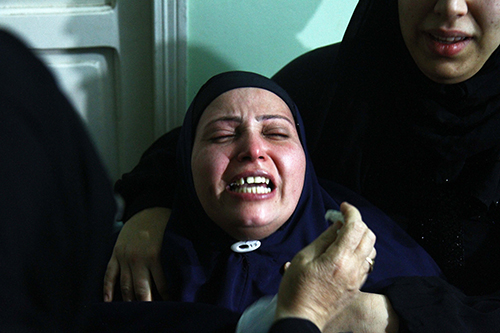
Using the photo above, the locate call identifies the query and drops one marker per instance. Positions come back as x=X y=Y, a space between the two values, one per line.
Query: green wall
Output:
x=258 y=35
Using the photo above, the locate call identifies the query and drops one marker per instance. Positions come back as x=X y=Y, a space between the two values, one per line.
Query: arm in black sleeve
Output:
x=433 y=305
x=310 y=81
x=57 y=206
x=294 y=325
x=152 y=182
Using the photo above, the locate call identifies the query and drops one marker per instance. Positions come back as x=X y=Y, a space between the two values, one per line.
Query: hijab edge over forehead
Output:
x=226 y=81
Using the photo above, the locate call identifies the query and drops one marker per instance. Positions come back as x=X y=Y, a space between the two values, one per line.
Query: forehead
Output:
x=243 y=101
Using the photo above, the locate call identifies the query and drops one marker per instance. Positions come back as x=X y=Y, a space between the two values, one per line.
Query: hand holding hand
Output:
x=326 y=276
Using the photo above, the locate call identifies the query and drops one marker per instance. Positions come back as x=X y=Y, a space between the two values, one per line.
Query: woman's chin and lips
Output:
x=449 y=62
x=449 y=42
x=252 y=216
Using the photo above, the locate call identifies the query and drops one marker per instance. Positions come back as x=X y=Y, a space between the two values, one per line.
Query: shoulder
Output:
x=308 y=71
x=314 y=63
x=309 y=80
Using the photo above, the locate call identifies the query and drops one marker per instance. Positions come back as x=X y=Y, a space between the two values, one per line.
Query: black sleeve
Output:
x=310 y=80
x=294 y=325
x=152 y=182
x=57 y=207
x=433 y=305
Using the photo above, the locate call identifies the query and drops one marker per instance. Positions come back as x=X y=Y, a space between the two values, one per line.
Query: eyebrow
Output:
x=275 y=116
x=239 y=119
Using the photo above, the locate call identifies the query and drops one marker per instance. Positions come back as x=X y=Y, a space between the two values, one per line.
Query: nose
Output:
x=252 y=147
x=451 y=8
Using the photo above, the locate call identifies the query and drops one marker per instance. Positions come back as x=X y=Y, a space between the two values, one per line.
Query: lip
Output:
x=447 y=43
x=252 y=196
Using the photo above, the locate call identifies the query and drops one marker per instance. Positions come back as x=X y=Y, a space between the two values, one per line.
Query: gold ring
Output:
x=371 y=262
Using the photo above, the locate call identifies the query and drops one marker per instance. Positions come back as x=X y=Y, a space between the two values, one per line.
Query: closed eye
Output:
x=276 y=132
x=277 y=135
x=222 y=136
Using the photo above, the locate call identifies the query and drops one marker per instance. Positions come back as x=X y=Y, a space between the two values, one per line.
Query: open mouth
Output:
x=449 y=40
x=254 y=185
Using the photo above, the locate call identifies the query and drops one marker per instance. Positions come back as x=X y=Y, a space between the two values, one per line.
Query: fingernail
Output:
x=284 y=267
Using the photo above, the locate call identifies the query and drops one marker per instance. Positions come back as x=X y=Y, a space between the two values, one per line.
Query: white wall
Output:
x=257 y=35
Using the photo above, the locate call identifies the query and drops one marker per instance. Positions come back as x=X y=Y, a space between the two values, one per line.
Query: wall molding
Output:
x=170 y=56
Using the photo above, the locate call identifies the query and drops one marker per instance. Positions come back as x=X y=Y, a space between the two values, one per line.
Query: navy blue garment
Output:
x=198 y=262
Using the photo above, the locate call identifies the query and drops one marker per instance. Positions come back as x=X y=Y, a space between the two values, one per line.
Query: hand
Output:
x=325 y=277
x=136 y=257
x=368 y=313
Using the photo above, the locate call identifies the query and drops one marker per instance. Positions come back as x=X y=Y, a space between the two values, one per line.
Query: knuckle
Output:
x=356 y=227
x=126 y=289
x=109 y=277
x=300 y=259
x=372 y=236
x=360 y=226
x=141 y=293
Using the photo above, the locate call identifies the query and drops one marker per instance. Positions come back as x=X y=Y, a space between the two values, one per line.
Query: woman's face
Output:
x=248 y=163
x=450 y=40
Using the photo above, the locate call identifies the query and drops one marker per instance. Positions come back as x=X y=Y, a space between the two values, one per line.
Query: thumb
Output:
x=322 y=243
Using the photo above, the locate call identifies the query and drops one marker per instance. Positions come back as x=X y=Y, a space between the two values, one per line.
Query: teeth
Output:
x=253 y=190
x=238 y=187
x=252 y=180
x=449 y=39
x=257 y=180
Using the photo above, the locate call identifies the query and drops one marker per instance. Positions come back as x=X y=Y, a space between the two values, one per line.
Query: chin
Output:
x=448 y=73
x=254 y=231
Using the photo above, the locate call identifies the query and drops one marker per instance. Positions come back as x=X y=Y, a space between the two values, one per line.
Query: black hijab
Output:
x=197 y=257
x=428 y=153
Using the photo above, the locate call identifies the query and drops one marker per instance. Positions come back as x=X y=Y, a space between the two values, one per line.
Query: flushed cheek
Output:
x=208 y=169
x=293 y=174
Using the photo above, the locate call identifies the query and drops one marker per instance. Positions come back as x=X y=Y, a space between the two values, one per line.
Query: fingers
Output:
x=142 y=283
x=159 y=280
x=355 y=242
x=351 y=233
x=126 y=284
x=368 y=265
x=350 y=212
x=136 y=282
x=325 y=277
x=110 y=277
x=136 y=259
x=356 y=234
x=322 y=243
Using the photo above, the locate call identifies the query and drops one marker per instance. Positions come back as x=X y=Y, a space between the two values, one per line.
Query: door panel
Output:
x=88 y=77
x=101 y=53
x=51 y=3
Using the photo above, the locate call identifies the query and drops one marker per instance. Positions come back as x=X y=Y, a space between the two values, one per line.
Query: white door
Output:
x=101 y=52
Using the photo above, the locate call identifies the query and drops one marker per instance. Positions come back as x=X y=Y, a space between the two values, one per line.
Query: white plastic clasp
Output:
x=245 y=246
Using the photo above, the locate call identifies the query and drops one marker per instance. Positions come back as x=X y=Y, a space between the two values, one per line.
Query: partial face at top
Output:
x=248 y=163
x=450 y=40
